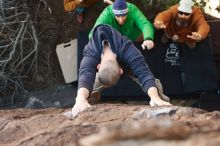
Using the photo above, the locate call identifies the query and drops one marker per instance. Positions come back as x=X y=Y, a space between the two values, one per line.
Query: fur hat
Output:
x=120 y=8
x=186 y=6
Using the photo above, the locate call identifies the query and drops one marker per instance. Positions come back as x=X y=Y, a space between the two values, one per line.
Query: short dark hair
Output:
x=110 y=73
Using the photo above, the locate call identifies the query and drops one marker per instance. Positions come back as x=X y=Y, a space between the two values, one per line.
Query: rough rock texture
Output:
x=111 y=125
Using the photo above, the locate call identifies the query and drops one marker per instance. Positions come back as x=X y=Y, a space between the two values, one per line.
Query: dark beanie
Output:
x=120 y=8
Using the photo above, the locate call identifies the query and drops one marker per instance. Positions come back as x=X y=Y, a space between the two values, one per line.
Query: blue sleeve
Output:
x=136 y=62
x=87 y=72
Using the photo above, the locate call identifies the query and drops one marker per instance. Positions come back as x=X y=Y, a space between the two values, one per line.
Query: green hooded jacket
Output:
x=136 y=23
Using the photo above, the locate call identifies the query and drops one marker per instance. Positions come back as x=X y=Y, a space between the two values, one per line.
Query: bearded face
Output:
x=182 y=19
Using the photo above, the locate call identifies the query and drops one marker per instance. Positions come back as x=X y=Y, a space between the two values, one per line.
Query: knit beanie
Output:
x=186 y=6
x=120 y=8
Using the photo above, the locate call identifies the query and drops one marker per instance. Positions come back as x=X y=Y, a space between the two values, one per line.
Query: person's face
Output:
x=121 y=19
x=184 y=16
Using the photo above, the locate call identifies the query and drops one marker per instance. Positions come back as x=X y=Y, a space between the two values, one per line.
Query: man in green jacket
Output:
x=129 y=21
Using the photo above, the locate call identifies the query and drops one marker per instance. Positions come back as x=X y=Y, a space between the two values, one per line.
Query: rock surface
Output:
x=111 y=125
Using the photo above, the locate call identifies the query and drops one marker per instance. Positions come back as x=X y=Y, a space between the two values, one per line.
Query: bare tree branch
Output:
x=18 y=46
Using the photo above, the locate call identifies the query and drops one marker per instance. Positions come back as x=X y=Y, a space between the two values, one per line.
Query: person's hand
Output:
x=148 y=43
x=158 y=102
x=195 y=36
x=159 y=25
x=108 y=2
x=80 y=106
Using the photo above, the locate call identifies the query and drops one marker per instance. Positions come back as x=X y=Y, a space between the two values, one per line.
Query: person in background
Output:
x=183 y=23
x=112 y=54
x=79 y=6
x=129 y=21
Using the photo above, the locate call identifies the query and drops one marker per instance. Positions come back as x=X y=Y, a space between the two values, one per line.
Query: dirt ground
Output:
x=110 y=124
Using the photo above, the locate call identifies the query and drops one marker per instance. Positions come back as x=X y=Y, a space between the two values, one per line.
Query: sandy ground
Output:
x=111 y=124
